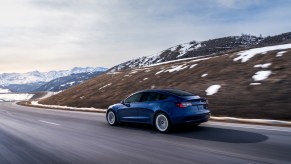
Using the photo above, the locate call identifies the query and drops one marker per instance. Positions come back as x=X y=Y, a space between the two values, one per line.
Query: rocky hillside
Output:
x=254 y=83
x=213 y=46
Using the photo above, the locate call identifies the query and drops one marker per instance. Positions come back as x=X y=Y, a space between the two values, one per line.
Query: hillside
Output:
x=203 y=48
x=255 y=83
x=66 y=82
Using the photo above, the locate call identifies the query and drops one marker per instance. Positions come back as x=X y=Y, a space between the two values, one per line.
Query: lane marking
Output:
x=49 y=122
x=248 y=127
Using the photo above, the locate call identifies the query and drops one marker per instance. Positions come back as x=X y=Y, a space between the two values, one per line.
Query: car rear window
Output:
x=179 y=92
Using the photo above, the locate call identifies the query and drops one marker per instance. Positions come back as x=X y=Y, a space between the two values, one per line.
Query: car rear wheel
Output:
x=162 y=122
x=111 y=118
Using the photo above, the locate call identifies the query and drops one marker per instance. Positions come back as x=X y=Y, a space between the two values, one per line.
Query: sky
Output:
x=49 y=35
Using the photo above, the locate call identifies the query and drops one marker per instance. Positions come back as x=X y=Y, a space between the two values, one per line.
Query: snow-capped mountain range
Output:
x=65 y=82
x=203 y=48
x=36 y=76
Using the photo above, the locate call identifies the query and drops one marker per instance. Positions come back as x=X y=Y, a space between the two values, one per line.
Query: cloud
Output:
x=59 y=34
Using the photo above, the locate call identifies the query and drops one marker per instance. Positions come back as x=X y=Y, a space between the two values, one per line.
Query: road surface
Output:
x=32 y=135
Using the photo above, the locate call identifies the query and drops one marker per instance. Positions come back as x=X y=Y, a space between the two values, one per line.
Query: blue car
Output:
x=162 y=108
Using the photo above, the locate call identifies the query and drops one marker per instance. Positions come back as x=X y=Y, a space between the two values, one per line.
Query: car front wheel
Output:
x=111 y=118
x=162 y=122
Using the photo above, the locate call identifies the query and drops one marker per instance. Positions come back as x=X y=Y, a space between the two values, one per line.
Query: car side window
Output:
x=152 y=96
x=134 y=98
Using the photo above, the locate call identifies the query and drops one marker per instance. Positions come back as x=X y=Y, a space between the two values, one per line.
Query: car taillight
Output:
x=183 y=104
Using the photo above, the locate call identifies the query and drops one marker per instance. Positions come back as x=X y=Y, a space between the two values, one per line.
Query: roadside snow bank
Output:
x=15 y=96
x=35 y=103
x=254 y=121
x=48 y=94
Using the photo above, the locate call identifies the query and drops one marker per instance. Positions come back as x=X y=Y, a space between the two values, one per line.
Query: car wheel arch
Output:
x=115 y=112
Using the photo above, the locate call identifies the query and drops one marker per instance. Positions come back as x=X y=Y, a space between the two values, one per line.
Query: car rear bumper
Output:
x=194 y=119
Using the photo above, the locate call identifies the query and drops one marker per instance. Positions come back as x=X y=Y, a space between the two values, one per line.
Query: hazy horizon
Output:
x=61 y=34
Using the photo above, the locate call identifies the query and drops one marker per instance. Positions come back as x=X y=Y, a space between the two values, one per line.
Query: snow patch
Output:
x=263 y=65
x=173 y=48
x=173 y=69
x=184 y=49
x=105 y=86
x=147 y=70
x=133 y=72
x=205 y=74
x=145 y=78
x=49 y=94
x=192 y=66
x=2 y=90
x=159 y=72
x=255 y=83
x=176 y=68
x=199 y=58
x=244 y=56
x=196 y=60
x=262 y=75
x=279 y=54
x=112 y=73
x=212 y=89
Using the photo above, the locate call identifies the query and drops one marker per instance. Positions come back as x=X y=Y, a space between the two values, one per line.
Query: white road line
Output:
x=248 y=127
x=49 y=122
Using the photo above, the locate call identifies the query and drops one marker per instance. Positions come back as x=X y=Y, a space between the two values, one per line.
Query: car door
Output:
x=128 y=112
x=150 y=103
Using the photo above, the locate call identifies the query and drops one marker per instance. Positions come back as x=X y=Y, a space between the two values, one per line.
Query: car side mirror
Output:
x=124 y=103
x=127 y=104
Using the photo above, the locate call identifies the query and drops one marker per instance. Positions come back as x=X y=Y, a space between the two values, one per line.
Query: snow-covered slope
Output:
x=195 y=49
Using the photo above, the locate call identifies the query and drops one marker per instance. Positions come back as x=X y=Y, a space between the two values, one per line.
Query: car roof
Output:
x=167 y=91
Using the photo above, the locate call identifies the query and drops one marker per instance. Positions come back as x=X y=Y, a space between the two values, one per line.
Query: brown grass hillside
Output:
x=236 y=97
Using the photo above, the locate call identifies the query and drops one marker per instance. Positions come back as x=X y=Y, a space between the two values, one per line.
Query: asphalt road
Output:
x=32 y=135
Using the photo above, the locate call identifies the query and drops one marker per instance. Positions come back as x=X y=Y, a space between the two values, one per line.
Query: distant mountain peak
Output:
x=37 y=76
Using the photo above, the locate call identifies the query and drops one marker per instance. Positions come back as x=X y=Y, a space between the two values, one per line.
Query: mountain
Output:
x=209 y=47
x=253 y=83
x=26 y=82
x=66 y=82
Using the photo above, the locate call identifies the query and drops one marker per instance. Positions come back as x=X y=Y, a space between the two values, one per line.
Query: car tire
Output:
x=111 y=118
x=162 y=123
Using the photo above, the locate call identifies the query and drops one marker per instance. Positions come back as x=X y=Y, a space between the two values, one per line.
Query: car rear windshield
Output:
x=179 y=92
